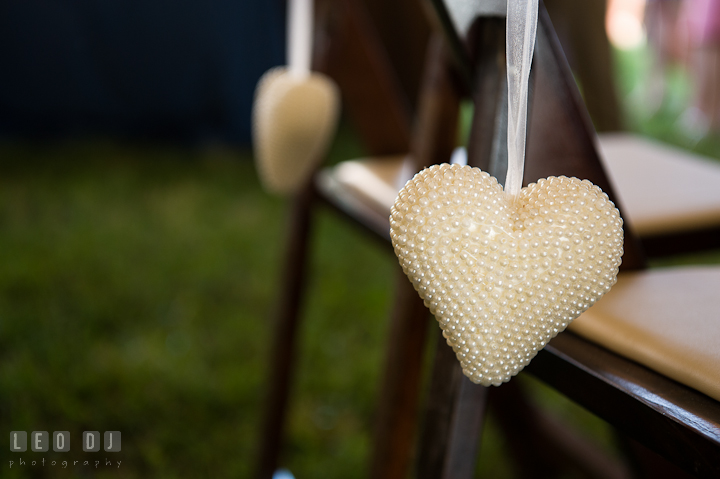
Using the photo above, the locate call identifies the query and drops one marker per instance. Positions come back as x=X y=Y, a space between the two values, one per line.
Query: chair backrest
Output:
x=561 y=138
x=561 y=141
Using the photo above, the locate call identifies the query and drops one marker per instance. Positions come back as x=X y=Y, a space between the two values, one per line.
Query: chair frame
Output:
x=677 y=422
x=432 y=141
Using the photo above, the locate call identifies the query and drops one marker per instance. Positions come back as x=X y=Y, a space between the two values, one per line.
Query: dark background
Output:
x=170 y=69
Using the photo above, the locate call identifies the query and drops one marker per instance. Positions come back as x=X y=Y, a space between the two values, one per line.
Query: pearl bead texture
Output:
x=504 y=276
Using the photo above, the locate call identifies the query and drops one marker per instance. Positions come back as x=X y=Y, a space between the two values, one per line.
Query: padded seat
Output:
x=663 y=189
x=666 y=319
x=638 y=318
x=374 y=181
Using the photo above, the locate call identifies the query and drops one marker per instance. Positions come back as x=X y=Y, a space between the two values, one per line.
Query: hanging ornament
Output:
x=505 y=271
x=295 y=111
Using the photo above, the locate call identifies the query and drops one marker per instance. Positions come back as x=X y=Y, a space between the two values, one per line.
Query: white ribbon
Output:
x=299 y=37
x=520 y=34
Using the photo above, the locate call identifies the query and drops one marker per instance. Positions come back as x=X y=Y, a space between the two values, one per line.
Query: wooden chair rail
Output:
x=679 y=423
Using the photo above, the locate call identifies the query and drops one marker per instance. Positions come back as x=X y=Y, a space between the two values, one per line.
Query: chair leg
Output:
x=646 y=464
x=540 y=446
x=516 y=417
x=285 y=333
x=543 y=446
x=454 y=419
x=433 y=141
x=399 y=391
x=467 y=425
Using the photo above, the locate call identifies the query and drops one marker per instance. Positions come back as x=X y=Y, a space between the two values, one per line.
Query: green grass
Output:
x=137 y=286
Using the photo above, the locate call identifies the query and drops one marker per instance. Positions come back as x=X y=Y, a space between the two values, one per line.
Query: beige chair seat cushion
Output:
x=667 y=319
x=662 y=189
x=375 y=180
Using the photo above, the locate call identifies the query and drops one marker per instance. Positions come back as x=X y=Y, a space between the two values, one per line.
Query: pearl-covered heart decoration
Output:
x=503 y=274
x=295 y=111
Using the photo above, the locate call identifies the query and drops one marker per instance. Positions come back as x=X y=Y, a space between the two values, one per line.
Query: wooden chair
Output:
x=672 y=196
x=455 y=409
x=558 y=108
x=631 y=364
x=350 y=51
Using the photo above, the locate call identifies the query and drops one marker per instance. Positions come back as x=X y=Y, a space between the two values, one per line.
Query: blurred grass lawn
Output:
x=136 y=293
x=136 y=288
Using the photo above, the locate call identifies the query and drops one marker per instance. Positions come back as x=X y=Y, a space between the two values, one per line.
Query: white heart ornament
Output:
x=294 y=119
x=503 y=276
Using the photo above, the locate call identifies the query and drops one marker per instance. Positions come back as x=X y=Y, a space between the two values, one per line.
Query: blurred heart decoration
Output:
x=295 y=110
x=294 y=119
